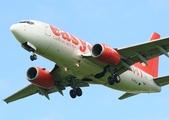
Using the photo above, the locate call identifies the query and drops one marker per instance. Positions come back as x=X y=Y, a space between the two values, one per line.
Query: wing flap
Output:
x=161 y=81
x=27 y=91
x=126 y=95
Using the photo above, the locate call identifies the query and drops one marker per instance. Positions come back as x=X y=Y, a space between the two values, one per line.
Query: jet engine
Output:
x=40 y=77
x=105 y=54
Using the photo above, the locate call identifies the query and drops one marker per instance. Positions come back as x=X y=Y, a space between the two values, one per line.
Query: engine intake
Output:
x=105 y=54
x=40 y=77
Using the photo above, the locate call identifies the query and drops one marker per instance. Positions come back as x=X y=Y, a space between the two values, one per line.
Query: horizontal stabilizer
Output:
x=161 y=81
x=126 y=95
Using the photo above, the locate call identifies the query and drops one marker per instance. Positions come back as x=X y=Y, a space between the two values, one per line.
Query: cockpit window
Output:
x=27 y=21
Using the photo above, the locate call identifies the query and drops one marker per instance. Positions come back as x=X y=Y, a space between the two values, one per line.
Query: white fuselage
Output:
x=66 y=51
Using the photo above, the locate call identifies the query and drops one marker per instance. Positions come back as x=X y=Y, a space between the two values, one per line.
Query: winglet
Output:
x=154 y=36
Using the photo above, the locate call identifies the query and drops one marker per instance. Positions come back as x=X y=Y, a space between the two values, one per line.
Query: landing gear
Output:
x=75 y=92
x=114 y=79
x=117 y=78
x=111 y=80
x=33 y=57
x=74 y=83
x=30 y=48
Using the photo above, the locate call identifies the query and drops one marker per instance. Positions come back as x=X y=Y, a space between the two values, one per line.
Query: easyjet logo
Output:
x=70 y=38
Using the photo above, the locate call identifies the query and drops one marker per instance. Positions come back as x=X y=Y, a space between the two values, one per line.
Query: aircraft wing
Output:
x=136 y=53
x=62 y=82
x=161 y=81
x=27 y=91
x=141 y=53
x=30 y=90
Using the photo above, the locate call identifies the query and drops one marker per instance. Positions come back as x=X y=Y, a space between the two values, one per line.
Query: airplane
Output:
x=132 y=69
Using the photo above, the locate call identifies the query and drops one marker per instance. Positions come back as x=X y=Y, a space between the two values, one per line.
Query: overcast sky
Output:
x=117 y=23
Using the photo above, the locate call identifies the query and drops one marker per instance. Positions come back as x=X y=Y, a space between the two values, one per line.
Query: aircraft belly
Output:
x=86 y=70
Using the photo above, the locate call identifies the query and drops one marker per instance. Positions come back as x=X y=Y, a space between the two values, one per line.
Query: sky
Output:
x=116 y=23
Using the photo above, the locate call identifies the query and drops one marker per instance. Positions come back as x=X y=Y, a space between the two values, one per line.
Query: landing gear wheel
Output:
x=33 y=57
x=116 y=78
x=73 y=93
x=78 y=92
x=111 y=80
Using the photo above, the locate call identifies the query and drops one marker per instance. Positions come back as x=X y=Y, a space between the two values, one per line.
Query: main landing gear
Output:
x=115 y=78
x=76 y=92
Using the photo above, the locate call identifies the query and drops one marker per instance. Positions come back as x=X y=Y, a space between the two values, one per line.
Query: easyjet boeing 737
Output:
x=132 y=69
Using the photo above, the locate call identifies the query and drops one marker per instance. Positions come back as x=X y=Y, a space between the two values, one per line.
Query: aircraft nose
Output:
x=13 y=29
x=17 y=31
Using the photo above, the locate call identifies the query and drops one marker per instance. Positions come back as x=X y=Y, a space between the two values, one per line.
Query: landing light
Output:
x=77 y=64
x=65 y=69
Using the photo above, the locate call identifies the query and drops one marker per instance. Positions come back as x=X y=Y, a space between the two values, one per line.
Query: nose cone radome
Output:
x=18 y=32
x=13 y=29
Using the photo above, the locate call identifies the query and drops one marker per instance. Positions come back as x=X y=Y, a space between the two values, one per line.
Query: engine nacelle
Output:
x=105 y=54
x=40 y=77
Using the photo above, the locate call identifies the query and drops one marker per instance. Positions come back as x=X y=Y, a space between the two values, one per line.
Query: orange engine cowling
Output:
x=40 y=77
x=105 y=54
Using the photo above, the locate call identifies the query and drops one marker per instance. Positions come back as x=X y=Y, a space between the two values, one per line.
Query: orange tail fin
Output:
x=152 y=67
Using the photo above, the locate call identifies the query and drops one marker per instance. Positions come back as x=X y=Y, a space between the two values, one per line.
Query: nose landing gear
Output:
x=30 y=48
x=33 y=57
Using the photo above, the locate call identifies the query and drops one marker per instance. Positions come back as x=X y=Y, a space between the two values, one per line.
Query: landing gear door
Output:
x=47 y=30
